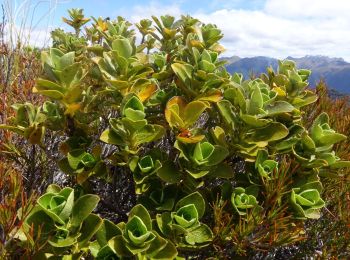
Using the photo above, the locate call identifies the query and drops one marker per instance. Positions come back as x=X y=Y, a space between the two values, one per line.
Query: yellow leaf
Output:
x=147 y=92
x=197 y=44
x=175 y=105
x=211 y=96
x=72 y=108
x=191 y=139
x=280 y=92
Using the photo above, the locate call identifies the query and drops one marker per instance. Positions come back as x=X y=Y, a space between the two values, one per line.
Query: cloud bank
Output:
x=276 y=29
x=286 y=28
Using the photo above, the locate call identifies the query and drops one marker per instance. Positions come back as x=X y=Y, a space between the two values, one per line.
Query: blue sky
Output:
x=115 y=7
x=275 y=28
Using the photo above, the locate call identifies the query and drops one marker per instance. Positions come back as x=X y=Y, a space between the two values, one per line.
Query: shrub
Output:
x=217 y=161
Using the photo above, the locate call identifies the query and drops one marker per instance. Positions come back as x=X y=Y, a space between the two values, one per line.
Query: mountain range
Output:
x=334 y=71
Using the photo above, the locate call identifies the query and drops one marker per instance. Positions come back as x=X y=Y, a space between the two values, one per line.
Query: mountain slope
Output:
x=335 y=71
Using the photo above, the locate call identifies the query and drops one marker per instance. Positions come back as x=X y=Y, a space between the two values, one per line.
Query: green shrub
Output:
x=216 y=159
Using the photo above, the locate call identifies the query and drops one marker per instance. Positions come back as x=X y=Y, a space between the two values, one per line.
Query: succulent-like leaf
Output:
x=243 y=201
x=83 y=207
x=194 y=198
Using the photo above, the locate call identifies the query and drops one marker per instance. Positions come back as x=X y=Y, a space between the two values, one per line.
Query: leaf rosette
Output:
x=243 y=201
x=137 y=238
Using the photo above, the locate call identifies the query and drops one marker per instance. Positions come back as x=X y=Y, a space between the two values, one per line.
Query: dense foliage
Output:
x=216 y=160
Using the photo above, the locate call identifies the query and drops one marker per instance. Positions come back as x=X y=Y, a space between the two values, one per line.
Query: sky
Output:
x=274 y=28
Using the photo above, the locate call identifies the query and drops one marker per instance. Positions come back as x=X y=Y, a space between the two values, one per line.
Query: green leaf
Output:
x=67 y=209
x=106 y=231
x=222 y=170
x=194 y=198
x=123 y=47
x=163 y=222
x=146 y=164
x=148 y=134
x=169 y=173
x=193 y=111
x=89 y=228
x=256 y=101
x=156 y=246
x=69 y=241
x=66 y=60
x=279 y=107
x=117 y=245
x=108 y=136
x=14 y=129
x=55 y=55
x=186 y=216
x=235 y=95
x=242 y=200
x=272 y=132
x=219 y=154
x=83 y=207
x=306 y=200
x=168 y=252
x=133 y=108
x=71 y=75
x=75 y=158
x=183 y=71
x=199 y=235
x=53 y=188
x=254 y=120
x=140 y=211
x=40 y=221
x=202 y=152
x=54 y=94
x=44 y=204
x=331 y=138
x=43 y=84
x=227 y=112
x=137 y=231
x=340 y=164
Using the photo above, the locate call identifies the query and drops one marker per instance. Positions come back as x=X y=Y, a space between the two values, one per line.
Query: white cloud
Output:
x=308 y=9
x=283 y=28
x=279 y=29
x=34 y=37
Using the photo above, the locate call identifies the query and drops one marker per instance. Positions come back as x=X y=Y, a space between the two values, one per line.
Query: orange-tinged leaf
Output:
x=82 y=177
x=64 y=148
x=37 y=135
x=191 y=139
x=147 y=92
x=181 y=115
x=175 y=105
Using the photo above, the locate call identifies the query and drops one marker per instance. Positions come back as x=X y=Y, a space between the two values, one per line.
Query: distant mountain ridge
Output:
x=335 y=71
